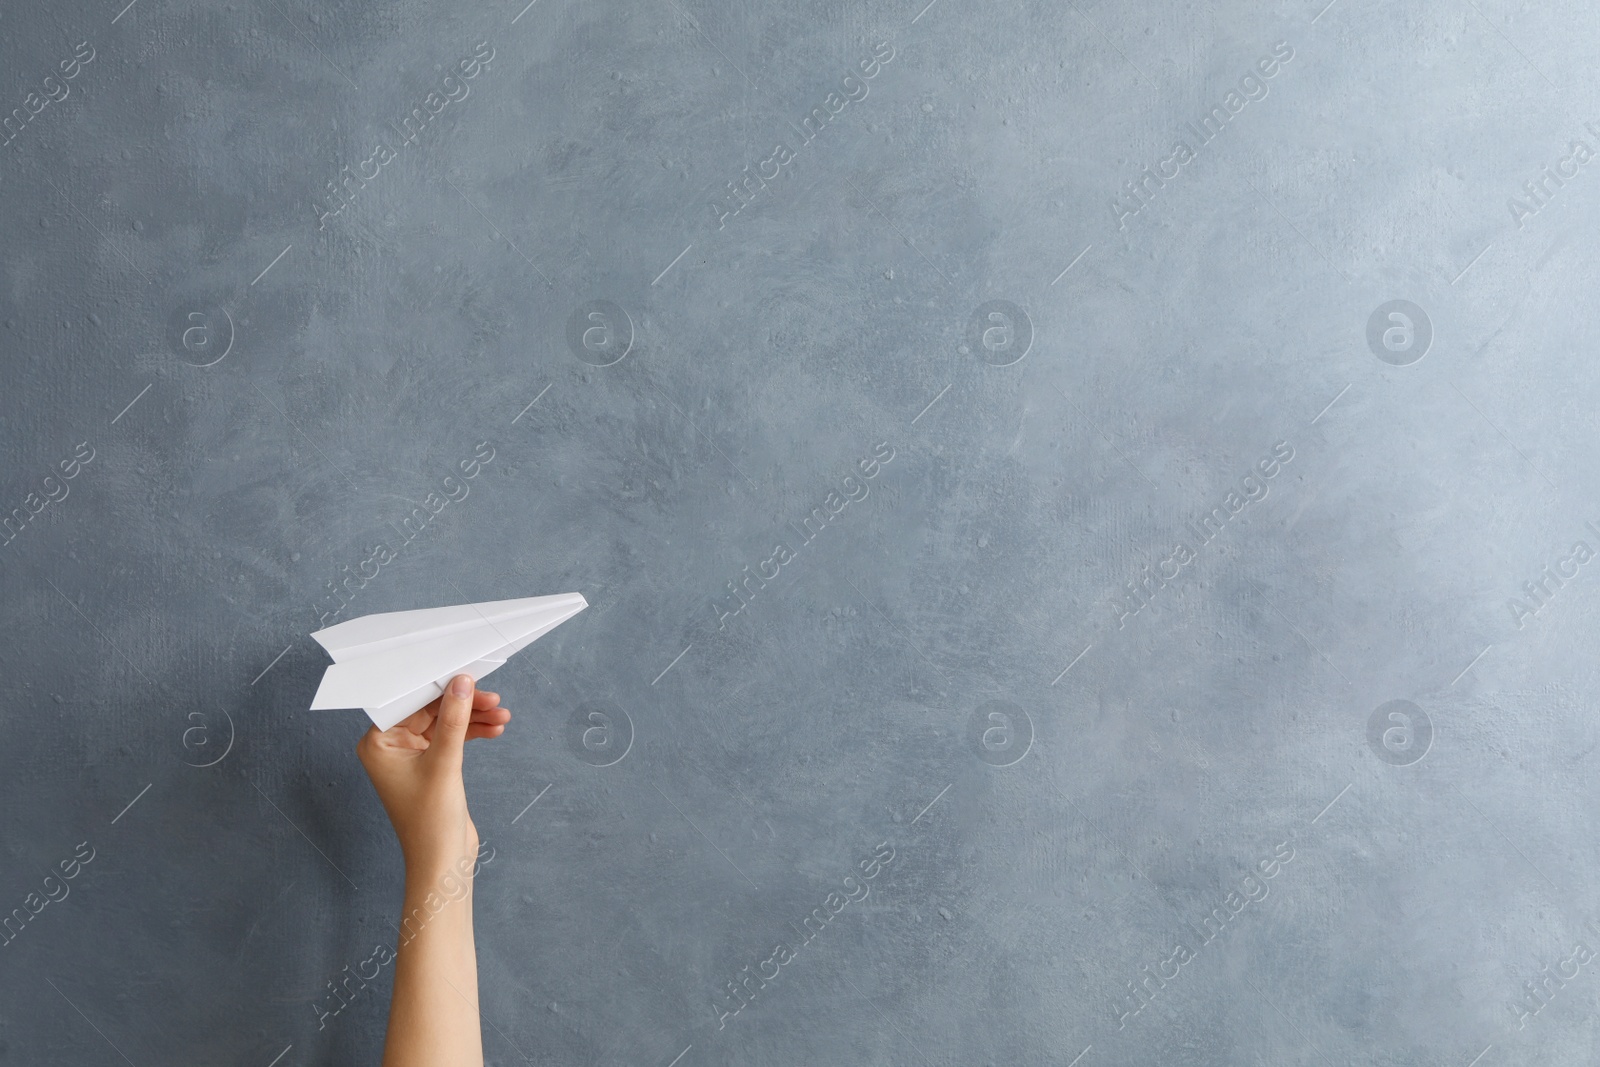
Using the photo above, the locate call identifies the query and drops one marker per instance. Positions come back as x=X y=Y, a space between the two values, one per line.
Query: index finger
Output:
x=421 y=720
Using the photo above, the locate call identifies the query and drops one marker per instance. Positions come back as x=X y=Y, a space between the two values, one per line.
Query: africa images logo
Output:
x=1252 y=889
x=1251 y=87
x=742 y=193
x=742 y=991
x=1138 y=593
x=453 y=88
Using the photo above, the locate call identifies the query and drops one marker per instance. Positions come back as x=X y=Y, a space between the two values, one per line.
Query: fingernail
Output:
x=462 y=685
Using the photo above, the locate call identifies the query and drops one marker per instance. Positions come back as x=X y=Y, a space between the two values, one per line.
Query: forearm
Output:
x=433 y=1015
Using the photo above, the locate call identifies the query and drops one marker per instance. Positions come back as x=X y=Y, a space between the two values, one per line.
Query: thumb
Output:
x=455 y=714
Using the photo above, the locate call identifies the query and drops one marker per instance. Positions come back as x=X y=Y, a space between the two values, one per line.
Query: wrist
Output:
x=437 y=874
x=436 y=903
x=434 y=850
x=442 y=868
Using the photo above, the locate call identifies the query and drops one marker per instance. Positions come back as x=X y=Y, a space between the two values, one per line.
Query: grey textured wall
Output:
x=1087 y=513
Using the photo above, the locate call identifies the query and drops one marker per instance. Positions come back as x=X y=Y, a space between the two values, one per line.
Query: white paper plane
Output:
x=394 y=663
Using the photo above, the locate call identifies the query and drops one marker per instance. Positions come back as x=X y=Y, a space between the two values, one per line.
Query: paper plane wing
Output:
x=393 y=663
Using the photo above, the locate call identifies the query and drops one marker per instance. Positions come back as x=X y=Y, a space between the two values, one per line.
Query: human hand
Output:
x=415 y=766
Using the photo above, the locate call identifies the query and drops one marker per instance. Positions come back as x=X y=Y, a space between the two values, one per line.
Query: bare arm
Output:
x=433 y=1015
x=416 y=769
